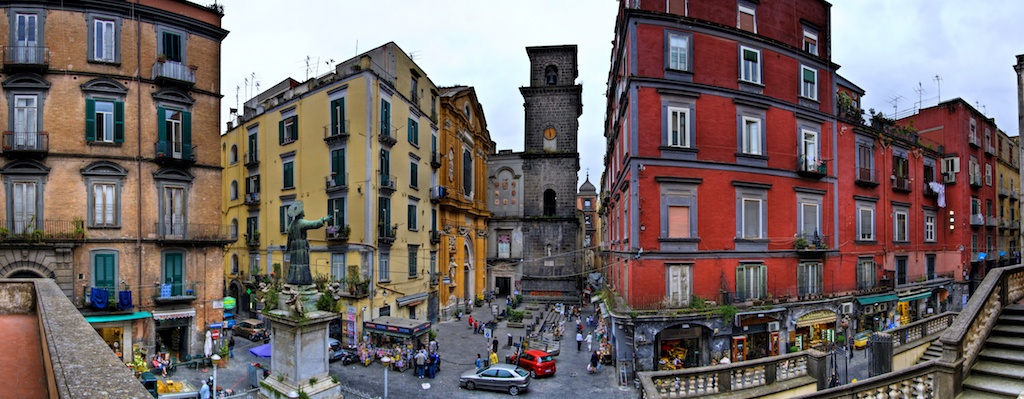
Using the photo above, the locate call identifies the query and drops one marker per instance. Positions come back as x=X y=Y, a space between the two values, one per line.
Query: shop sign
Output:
x=215 y=334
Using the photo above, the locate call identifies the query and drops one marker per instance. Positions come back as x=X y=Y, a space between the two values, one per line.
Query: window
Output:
x=975 y=206
x=27 y=31
x=173 y=211
x=413 y=253
x=901 y=169
x=252 y=186
x=504 y=244
x=433 y=264
x=811 y=40
x=750 y=65
x=751 y=281
x=414 y=91
x=549 y=202
x=746 y=18
x=283 y=217
x=174 y=134
x=865 y=161
x=587 y=204
x=467 y=172
x=810 y=158
x=988 y=174
x=679 y=222
x=104 y=38
x=928 y=174
x=988 y=209
x=234 y=236
x=866 y=221
x=414 y=174
x=233 y=154
x=384 y=215
x=385 y=118
x=104 y=180
x=384 y=268
x=550 y=78
x=678 y=52
x=974 y=243
x=26 y=121
x=679 y=285
x=414 y=132
x=809 y=82
x=865 y=274
x=288 y=130
x=929 y=226
x=679 y=127
x=25 y=202
x=929 y=266
x=901 y=270
x=411 y=219
x=234 y=190
x=808 y=278
x=251 y=227
x=338 y=272
x=900 y=223
x=254 y=146
x=336 y=211
x=751 y=218
x=104 y=270
x=172 y=46
x=104 y=205
x=338 y=121
x=810 y=217
x=288 y=175
x=751 y=139
x=338 y=174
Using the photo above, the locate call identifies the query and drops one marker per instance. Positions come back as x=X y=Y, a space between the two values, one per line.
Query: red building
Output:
x=728 y=229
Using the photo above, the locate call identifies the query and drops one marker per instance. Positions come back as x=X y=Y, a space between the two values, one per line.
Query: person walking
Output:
x=231 y=347
x=493 y=357
x=594 y=362
x=471 y=325
x=494 y=345
x=579 y=340
x=204 y=390
x=589 y=339
x=421 y=360
x=479 y=363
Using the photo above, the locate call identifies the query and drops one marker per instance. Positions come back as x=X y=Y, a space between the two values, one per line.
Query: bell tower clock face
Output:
x=550 y=133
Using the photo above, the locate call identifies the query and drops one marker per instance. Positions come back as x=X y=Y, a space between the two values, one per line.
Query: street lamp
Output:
x=215 y=358
x=386 y=362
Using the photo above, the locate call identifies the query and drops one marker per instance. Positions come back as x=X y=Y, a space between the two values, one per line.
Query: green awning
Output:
x=118 y=317
x=915 y=297
x=871 y=300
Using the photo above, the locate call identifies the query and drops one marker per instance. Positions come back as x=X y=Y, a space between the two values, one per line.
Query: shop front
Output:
x=912 y=307
x=756 y=334
x=118 y=332
x=680 y=346
x=814 y=330
x=388 y=331
x=873 y=310
x=173 y=331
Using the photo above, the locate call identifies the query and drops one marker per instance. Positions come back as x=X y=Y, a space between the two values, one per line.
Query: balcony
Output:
x=252 y=199
x=976 y=179
x=901 y=184
x=810 y=168
x=28 y=231
x=811 y=245
x=115 y=300
x=26 y=57
x=338 y=234
x=173 y=72
x=356 y=289
x=333 y=135
x=252 y=240
x=435 y=160
x=435 y=278
x=1014 y=225
x=1004 y=223
x=387 y=184
x=990 y=150
x=437 y=193
x=251 y=159
x=26 y=144
x=928 y=192
x=179 y=292
x=977 y=220
x=1014 y=195
x=1003 y=193
x=184 y=233
x=386 y=234
x=972 y=139
x=435 y=237
x=336 y=182
x=387 y=139
x=174 y=153
x=866 y=178
x=991 y=221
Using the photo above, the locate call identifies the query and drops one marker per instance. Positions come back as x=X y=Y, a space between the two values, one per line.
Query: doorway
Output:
x=504 y=286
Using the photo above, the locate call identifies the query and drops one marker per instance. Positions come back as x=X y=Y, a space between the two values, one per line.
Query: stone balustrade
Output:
x=922 y=329
x=701 y=381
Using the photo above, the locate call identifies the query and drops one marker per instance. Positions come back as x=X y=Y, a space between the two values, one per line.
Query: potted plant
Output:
x=193 y=68
x=224 y=353
x=161 y=58
x=800 y=243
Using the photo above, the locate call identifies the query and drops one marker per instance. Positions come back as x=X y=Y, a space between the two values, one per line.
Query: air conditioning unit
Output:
x=847 y=308
x=773 y=326
x=869 y=309
x=949 y=177
x=882 y=307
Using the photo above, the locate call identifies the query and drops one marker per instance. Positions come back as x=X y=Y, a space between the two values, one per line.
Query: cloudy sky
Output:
x=885 y=47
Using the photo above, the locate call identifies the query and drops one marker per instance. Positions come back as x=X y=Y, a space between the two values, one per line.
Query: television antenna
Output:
x=895 y=101
x=938 y=83
x=920 y=99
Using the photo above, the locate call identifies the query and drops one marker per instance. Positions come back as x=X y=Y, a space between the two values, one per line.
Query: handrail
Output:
x=920 y=379
x=711 y=380
x=966 y=336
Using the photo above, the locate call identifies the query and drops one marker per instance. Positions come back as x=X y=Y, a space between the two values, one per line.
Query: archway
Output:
x=689 y=343
x=26 y=269
x=469 y=280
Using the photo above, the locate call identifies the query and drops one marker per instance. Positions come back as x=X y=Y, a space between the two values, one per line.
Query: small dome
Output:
x=588 y=188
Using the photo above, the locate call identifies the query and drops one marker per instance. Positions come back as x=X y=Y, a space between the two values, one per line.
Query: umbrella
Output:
x=261 y=351
x=208 y=345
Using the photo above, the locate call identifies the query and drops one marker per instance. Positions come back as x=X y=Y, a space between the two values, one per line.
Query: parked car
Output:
x=251 y=328
x=538 y=362
x=337 y=352
x=497 y=377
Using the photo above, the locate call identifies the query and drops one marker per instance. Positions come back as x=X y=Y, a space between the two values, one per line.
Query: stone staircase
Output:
x=934 y=351
x=998 y=371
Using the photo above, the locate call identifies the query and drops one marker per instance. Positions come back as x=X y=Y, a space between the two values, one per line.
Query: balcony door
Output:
x=24 y=207
x=25 y=118
x=174 y=212
x=26 y=40
x=809 y=146
x=172 y=121
x=174 y=272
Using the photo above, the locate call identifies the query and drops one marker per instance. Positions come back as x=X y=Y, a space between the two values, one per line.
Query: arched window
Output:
x=233 y=155
x=234 y=229
x=549 y=202
x=234 y=190
x=234 y=264
x=551 y=75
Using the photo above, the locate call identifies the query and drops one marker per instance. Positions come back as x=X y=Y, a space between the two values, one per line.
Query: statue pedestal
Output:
x=299 y=355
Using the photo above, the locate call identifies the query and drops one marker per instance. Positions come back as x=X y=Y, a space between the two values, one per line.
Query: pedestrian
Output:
x=479 y=363
x=594 y=362
x=471 y=325
x=204 y=390
x=435 y=362
x=231 y=346
x=493 y=358
x=494 y=345
x=579 y=340
x=430 y=365
x=589 y=339
x=421 y=360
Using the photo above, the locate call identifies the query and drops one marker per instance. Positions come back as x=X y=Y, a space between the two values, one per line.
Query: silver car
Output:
x=497 y=377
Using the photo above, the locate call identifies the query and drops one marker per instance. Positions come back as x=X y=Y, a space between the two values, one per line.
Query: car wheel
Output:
x=533 y=373
x=513 y=390
x=470 y=386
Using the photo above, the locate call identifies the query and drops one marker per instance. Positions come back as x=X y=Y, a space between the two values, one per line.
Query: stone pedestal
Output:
x=299 y=355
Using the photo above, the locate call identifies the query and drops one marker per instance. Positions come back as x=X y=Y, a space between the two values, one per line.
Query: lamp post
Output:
x=215 y=358
x=386 y=361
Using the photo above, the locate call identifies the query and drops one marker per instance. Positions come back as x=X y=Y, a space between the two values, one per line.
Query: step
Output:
x=1003 y=355
x=1008 y=329
x=973 y=394
x=1011 y=319
x=999 y=369
x=998 y=385
x=1003 y=341
x=1015 y=307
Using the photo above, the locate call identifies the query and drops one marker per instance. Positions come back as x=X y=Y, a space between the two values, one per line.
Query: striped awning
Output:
x=915 y=297
x=173 y=314
x=117 y=317
x=412 y=300
x=818 y=317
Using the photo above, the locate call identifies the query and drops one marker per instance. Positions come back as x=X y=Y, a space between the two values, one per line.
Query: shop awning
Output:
x=871 y=300
x=397 y=326
x=819 y=317
x=118 y=317
x=173 y=314
x=915 y=297
x=412 y=300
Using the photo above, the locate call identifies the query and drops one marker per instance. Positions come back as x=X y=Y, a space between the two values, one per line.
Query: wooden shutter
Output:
x=801 y=279
x=280 y=132
x=186 y=135
x=330 y=213
x=90 y=120
x=338 y=116
x=118 y=121
x=741 y=282
x=161 y=124
x=282 y=212
x=679 y=221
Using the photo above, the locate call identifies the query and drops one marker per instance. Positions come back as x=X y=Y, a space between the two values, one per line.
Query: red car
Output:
x=539 y=363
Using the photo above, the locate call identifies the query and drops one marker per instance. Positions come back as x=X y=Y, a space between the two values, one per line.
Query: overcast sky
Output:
x=885 y=47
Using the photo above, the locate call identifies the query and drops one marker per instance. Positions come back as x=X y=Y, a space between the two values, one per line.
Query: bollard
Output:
x=510 y=339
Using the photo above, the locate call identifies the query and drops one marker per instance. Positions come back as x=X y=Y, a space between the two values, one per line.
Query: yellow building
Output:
x=1007 y=171
x=110 y=166
x=354 y=144
x=461 y=192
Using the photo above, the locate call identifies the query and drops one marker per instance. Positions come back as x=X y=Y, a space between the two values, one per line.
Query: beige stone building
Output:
x=110 y=163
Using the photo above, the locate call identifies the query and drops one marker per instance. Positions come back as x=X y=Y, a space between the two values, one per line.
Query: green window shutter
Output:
x=801 y=279
x=337 y=116
x=118 y=121
x=161 y=124
x=280 y=132
x=414 y=171
x=295 y=127
x=749 y=55
x=330 y=212
x=808 y=76
x=248 y=186
x=104 y=272
x=282 y=211
x=385 y=118
x=741 y=280
x=186 y=135
x=90 y=119
x=762 y=287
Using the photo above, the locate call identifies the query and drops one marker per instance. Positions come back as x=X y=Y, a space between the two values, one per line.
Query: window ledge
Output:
x=105 y=227
x=752 y=240
x=101 y=62
x=677 y=148
x=751 y=156
x=866 y=242
x=678 y=239
x=104 y=143
x=286 y=142
x=383 y=281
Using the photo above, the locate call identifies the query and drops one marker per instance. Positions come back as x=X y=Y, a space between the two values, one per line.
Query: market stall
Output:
x=814 y=330
x=394 y=337
x=679 y=346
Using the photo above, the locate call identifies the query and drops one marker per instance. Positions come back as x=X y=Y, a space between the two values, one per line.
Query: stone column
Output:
x=299 y=355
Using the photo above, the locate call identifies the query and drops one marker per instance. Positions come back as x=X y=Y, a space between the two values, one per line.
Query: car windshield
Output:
x=258 y=325
x=335 y=346
x=522 y=372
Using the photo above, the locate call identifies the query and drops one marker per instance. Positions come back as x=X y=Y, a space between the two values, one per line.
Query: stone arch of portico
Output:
x=22 y=268
x=470 y=268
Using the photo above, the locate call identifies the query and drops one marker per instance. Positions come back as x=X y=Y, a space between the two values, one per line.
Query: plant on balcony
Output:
x=37 y=235
x=161 y=58
x=79 y=224
x=4 y=232
x=728 y=313
x=800 y=243
x=193 y=67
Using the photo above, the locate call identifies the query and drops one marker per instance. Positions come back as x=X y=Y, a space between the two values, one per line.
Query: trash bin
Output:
x=510 y=340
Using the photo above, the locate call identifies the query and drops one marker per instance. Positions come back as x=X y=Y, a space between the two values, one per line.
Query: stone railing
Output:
x=700 y=381
x=915 y=382
x=921 y=329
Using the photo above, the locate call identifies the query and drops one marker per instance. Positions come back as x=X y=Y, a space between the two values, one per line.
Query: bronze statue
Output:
x=298 y=245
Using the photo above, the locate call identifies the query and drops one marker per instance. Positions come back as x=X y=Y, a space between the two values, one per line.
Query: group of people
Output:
x=161 y=363
x=427 y=363
x=492 y=358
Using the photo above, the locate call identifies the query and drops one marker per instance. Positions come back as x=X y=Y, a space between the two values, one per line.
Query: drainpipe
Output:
x=1019 y=68
x=138 y=150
